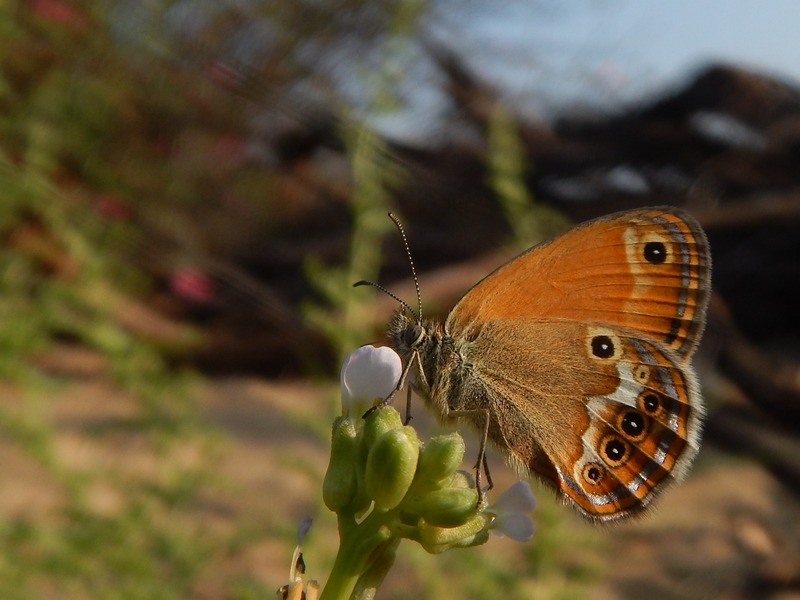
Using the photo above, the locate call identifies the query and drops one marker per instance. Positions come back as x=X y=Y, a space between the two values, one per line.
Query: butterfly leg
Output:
x=408 y=407
x=484 y=415
x=416 y=359
x=489 y=482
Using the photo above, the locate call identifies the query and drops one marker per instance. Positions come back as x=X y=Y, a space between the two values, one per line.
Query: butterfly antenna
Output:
x=399 y=226
x=388 y=293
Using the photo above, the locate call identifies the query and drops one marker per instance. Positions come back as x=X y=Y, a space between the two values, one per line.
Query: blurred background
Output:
x=188 y=190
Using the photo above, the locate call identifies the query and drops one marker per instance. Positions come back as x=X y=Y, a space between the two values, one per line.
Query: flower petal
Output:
x=518 y=526
x=516 y=499
x=368 y=373
x=511 y=510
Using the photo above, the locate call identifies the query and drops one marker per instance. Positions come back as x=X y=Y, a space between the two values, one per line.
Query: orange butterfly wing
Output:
x=645 y=270
x=580 y=341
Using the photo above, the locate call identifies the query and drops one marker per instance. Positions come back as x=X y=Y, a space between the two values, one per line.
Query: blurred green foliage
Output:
x=374 y=173
x=107 y=143
x=530 y=222
x=106 y=137
x=89 y=136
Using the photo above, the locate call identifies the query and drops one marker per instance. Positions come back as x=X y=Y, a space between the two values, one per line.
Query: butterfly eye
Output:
x=614 y=451
x=633 y=425
x=593 y=473
x=655 y=252
x=413 y=334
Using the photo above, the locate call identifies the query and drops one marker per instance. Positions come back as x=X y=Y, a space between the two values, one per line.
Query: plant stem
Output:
x=372 y=578
x=358 y=543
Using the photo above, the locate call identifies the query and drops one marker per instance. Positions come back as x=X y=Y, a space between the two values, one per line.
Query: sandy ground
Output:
x=730 y=531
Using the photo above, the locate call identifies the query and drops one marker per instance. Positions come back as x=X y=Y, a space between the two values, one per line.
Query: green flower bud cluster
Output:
x=379 y=470
x=385 y=485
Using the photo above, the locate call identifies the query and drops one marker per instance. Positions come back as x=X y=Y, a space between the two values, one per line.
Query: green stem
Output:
x=358 y=544
x=379 y=567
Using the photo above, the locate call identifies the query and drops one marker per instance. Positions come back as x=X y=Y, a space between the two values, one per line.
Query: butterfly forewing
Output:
x=645 y=270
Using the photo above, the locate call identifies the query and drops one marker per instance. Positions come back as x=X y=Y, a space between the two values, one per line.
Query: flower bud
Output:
x=438 y=459
x=448 y=507
x=379 y=422
x=438 y=539
x=462 y=479
x=339 y=485
x=391 y=464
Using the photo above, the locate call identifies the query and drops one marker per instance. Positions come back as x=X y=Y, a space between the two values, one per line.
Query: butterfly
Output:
x=574 y=359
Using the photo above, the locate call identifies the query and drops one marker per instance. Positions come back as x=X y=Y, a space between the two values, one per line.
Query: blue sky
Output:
x=673 y=36
x=551 y=56
x=630 y=47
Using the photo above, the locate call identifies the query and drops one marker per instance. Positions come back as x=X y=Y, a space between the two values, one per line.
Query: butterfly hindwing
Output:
x=605 y=417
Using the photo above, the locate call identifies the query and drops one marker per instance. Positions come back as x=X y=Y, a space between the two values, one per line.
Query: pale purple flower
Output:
x=512 y=513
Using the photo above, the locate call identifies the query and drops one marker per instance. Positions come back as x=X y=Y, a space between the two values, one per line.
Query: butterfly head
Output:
x=407 y=333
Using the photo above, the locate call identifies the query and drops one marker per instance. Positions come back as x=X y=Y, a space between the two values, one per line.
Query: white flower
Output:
x=368 y=373
x=511 y=513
